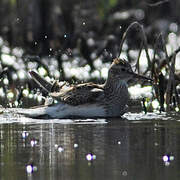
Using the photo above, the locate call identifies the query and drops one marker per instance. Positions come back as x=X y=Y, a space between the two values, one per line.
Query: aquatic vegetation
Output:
x=76 y=43
x=159 y=62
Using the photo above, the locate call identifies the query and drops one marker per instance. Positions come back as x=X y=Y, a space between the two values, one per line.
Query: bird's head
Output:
x=121 y=69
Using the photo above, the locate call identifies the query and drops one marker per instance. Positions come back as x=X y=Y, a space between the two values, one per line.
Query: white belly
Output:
x=62 y=110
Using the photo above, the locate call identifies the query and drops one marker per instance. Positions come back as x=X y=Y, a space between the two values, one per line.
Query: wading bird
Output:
x=88 y=100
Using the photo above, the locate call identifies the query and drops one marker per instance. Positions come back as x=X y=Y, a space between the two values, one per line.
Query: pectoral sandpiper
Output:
x=88 y=100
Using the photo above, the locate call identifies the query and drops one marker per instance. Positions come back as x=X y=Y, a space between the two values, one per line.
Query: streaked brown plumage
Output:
x=79 y=94
x=89 y=99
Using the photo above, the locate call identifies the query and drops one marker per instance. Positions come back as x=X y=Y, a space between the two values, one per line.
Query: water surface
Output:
x=136 y=147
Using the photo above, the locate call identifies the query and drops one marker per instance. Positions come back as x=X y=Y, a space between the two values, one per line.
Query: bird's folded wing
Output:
x=80 y=94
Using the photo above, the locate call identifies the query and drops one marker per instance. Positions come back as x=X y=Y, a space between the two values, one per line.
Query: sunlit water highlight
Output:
x=10 y=115
x=137 y=146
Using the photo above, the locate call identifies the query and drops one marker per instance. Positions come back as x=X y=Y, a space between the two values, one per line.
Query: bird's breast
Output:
x=116 y=101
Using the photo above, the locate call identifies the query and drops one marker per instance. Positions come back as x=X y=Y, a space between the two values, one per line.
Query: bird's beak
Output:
x=141 y=77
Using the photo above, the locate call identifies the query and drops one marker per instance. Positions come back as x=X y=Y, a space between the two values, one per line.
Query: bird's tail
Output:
x=34 y=112
x=45 y=111
x=47 y=86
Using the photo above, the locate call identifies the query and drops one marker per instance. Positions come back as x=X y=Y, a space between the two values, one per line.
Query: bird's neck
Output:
x=115 y=84
x=116 y=96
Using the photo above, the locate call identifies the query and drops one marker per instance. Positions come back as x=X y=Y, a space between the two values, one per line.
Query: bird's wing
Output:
x=74 y=95
x=79 y=94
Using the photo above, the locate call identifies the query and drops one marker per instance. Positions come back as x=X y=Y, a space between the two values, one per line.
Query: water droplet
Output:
x=39 y=98
x=56 y=145
x=42 y=71
x=29 y=168
x=10 y=95
x=139 y=14
x=64 y=57
x=155 y=104
x=124 y=173
x=93 y=156
x=55 y=101
x=171 y=158
x=5 y=81
x=17 y=20
x=33 y=142
x=2 y=93
x=165 y=158
x=30 y=96
x=167 y=163
x=60 y=149
x=34 y=168
x=25 y=92
x=89 y=157
x=21 y=74
x=16 y=103
x=76 y=145
x=177 y=109
x=173 y=27
x=14 y=76
x=25 y=134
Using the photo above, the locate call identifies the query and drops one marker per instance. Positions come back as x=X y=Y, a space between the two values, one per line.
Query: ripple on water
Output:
x=11 y=116
x=149 y=116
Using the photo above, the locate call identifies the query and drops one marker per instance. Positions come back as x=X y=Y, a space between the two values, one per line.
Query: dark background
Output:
x=39 y=25
x=86 y=30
